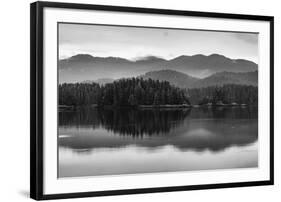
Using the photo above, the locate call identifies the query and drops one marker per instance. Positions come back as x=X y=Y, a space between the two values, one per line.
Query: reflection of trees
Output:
x=197 y=129
x=141 y=122
x=225 y=112
x=128 y=121
x=82 y=117
x=196 y=135
x=131 y=122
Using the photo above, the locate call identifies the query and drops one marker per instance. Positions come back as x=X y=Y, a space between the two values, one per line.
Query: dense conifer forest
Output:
x=124 y=92
x=137 y=91
x=226 y=94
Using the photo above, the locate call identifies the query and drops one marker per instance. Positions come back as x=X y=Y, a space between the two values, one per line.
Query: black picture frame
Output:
x=36 y=98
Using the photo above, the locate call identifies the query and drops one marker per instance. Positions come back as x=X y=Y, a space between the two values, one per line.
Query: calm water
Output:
x=127 y=141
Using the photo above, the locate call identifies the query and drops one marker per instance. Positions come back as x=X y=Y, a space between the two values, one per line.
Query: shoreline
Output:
x=72 y=107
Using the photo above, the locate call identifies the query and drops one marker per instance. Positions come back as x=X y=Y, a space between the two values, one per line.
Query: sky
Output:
x=137 y=42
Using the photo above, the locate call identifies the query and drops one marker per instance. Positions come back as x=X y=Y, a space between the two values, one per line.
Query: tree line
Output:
x=123 y=92
x=138 y=91
x=226 y=94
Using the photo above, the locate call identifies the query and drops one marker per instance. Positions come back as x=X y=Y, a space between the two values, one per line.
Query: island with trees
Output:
x=148 y=93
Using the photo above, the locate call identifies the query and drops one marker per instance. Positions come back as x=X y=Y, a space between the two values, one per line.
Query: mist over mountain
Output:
x=149 y=60
x=174 y=77
x=101 y=81
x=182 y=80
x=218 y=79
x=83 y=67
x=221 y=78
x=202 y=66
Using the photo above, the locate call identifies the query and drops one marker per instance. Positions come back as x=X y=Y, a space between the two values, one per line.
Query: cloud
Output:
x=133 y=42
x=249 y=38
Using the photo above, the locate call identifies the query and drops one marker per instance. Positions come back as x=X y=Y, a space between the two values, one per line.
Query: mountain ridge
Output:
x=83 y=67
x=182 y=80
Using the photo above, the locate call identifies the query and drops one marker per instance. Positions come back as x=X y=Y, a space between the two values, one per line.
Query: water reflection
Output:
x=131 y=122
x=196 y=129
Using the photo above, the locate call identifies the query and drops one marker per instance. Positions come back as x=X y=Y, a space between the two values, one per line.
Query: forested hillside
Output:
x=227 y=94
x=124 y=92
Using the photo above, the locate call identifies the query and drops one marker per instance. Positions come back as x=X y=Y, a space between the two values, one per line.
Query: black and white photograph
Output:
x=132 y=100
x=142 y=100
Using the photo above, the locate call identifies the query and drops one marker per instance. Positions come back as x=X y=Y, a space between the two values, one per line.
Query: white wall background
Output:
x=14 y=101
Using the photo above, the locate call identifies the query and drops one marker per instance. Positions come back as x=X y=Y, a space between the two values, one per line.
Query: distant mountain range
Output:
x=218 y=79
x=84 y=67
x=182 y=80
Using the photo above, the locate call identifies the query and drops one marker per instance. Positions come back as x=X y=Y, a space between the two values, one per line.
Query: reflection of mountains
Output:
x=196 y=129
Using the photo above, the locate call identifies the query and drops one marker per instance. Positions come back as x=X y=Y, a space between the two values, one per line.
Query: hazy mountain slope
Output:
x=185 y=81
x=83 y=67
x=221 y=78
x=175 y=78
x=202 y=66
x=101 y=81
